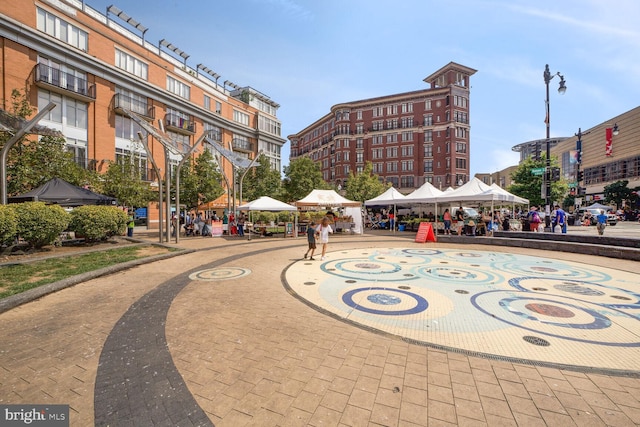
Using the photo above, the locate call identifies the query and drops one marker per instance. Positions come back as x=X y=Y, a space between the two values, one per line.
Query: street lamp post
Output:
x=547 y=175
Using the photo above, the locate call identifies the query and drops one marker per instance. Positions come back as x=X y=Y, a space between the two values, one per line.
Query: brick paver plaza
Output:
x=384 y=332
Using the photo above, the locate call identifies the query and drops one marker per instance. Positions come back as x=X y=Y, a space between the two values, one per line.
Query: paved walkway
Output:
x=226 y=336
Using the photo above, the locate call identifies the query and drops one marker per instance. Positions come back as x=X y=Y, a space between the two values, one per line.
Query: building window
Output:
x=392 y=137
x=461 y=147
x=392 y=152
x=346 y=169
x=359 y=157
x=428 y=135
x=207 y=102
x=377 y=111
x=76 y=112
x=268 y=125
x=377 y=167
x=240 y=117
x=407 y=165
x=359 y=115
x=461 y=133
x=126 y=128
x=376 y=139
x=407 y=136
x=392 y=109
x=428 y=150
x=131 y=64
x=407 y=107
x=461 y=163
x=44 y=98
x=178 y=88
x=460 y=101
x=392 y=167
x=376 y=153
x=359 y=128
x=62 y=30
x=78 y=150
x=428 y=120
x=359 y=143
x=393 y=180
x=427 y=104
x=407 y=151
x=218 y=107
x=428 y=166
x=406 y=182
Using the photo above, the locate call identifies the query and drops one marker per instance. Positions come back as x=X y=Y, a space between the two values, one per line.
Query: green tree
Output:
x=123 y=180
x=302 y=175
x=618 y=192
x=529 y=186
x=364 y=185
x=263 y=180
x=200 y=180
x=31 y=163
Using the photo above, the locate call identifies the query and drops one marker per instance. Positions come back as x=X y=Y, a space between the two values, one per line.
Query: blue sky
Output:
x=308 y=55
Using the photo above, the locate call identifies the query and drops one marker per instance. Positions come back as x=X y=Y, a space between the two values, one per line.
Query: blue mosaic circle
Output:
x=421 y=251
x=603 y=295
x=385 y=298
x=599 y=321
x=457 y=274
x=548 y=268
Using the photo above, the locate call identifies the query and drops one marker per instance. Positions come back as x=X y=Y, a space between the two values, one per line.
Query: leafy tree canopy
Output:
x=618 y=192
x=263 y=180
x=200 y=180
x=364 y=185
x=527 y=185
x=302 y=175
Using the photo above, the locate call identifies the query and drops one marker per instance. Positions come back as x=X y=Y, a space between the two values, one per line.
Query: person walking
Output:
x=241 y=220
x=311 y=240
x=446 y=218
x=130 y=225
x=561 y=219
x=602 y=222
x=323 y=230
x=460 y=220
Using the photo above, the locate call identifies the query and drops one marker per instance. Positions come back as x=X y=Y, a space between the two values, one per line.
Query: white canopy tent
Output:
x=388 y=198
x=325 y=198
x=331 y=199
x=426 y=194
x=266 y=203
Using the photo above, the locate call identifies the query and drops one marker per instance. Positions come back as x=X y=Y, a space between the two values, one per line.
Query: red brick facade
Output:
x=409 y=137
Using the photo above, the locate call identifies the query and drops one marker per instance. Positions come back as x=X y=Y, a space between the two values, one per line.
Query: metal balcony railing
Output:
x=55 y=78
x=135 y=105
x=178 y=123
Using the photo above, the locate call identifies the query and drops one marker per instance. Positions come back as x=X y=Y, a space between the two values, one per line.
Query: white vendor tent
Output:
x=472 y=191
x=266 y=203
x=504 y=195
x=427 y=193
x=391 y=197
x=330 y=199
x=325 y=198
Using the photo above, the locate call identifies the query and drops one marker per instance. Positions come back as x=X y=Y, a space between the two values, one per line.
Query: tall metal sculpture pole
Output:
x=184 y=159
x=15 y=138
x=158 y=172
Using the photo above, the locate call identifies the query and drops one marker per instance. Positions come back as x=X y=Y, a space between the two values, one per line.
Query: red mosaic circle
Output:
x=550 y=310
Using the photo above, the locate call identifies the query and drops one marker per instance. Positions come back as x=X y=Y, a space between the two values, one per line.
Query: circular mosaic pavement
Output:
x=513 y=306
x=221 y=273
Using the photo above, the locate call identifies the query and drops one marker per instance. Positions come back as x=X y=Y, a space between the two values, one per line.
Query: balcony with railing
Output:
x=242 y=145
x=123 y=102
x=67 y=84
x=180 y=124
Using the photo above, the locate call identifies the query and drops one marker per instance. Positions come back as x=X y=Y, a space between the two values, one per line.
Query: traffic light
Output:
x=537 y=152
x=555 y=174
x=580 y=176
x=582 y=191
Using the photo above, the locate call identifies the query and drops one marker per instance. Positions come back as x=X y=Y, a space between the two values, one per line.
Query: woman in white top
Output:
x=323 y=231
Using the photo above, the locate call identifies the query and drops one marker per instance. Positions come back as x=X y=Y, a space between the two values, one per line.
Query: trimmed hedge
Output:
x=98 y=222
x=8 y=225
x=39 y=224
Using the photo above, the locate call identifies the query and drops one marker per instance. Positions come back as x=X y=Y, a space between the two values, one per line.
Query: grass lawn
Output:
x=17 y=278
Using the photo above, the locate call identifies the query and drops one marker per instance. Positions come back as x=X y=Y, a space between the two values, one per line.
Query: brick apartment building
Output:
x=409 y=138
x=98 y=66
